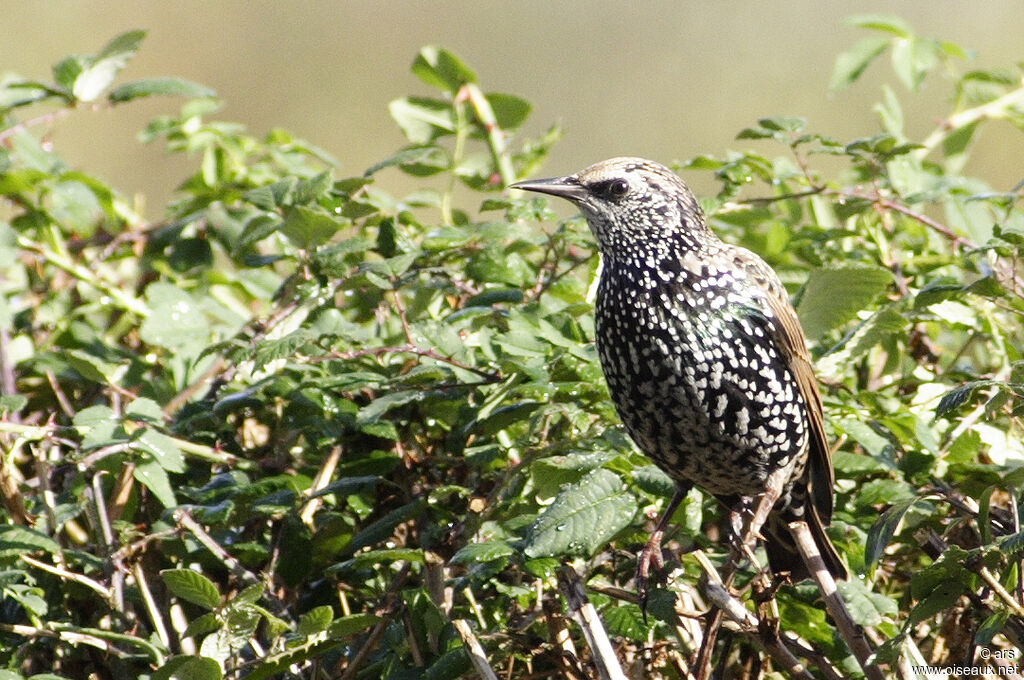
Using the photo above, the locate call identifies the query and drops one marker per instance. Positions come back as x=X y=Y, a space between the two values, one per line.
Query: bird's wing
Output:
x=790 y=337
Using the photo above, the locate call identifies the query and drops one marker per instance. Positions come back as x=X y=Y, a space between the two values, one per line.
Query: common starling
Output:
x=705 y=358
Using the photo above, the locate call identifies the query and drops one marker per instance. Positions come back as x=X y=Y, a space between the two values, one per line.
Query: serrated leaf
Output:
x=884 y=528
x=145 y=409
x=154 y=477
x=991 y=627
x=510 y=111
x=912 y=59
x=850 y=65
x=958 y=396
x=188 y=668
x=867 y=608
x=783 y=123
x=162 y=448
x=488 y=551
x=583 y=517
x=350 y=625
x=150 y=87
x=308 y=227
x=440 y=68
x=75 y=208
x=626 y=621
x=831 y=297
x=315 y=620
x=886 y=23
x=12 y=403
x=201 y=625
x=176 y=322
x=17 y=540
x=349 y=485
x=99 y=73
x=422 y=119
x=192 y=586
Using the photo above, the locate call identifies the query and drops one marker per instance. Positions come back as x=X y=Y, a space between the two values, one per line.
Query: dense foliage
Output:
x=302 y=427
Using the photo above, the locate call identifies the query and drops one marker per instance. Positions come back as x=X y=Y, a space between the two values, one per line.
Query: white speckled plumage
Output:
x=703 y=353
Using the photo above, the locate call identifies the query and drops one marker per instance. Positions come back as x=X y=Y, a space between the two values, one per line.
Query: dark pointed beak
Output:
x=563 y=187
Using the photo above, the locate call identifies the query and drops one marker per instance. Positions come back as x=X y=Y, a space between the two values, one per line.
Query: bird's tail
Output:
x=784 y=556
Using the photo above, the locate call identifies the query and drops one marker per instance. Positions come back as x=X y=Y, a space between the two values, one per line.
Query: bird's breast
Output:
x=697 y=379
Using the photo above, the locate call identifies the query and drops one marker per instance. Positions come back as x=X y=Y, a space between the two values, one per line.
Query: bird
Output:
x=705 y=361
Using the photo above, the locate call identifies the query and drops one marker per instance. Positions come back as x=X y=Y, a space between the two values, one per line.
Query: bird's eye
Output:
x=613 y=188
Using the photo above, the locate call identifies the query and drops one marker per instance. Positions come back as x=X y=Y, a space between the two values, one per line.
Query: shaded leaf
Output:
x=188 y=668
x=159 y=86
x=833 y=296
x=884 y=528
x=850 y=65
x=583 y=517
x=440 y=68
x=192 y=586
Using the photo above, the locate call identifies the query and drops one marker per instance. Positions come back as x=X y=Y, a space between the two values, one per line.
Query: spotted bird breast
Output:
x=696 y=375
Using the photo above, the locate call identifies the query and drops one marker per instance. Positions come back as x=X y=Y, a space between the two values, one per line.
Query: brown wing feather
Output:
x=791 y=338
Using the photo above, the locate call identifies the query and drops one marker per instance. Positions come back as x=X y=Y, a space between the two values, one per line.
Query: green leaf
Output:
x=583 y=517
x=75 y=207
x=144 y=409
x=154 y=477
x=958 y=396
x=850 y=65
x=351 y=625
x=17 y=540
x=192 y=586
x=867 y=608
x=188 y=668
x=912 y=59
x=308 y=228
x=315 y=620
x=509 y=111
x=884 y=528
x=488 y=551
x=97 y=74
x=176 y=322
x=626 y=620
x=885 y=23
x=831 y=297
x=422 y=120
x=12 y=403
x=150 y=87
x=162 y=448
x=439 y=68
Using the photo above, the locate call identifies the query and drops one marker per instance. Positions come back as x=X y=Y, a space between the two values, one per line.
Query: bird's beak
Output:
x=563 y=187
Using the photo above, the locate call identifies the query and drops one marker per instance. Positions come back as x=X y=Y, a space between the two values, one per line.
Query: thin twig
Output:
x=155 y=615
x=184 y=519
x=851 y=633
x=323 y=476
x=496 y=141
x=32 y=122
x=584 y=614
x=717 y=594
x=389 y=611
x=476 y=652
x=69 y=575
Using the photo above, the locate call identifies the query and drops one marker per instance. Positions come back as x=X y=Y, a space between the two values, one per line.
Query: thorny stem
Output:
x=495 y=135
x=32 y=122
x=997 y=108
x=429 y=353
x=125 y=300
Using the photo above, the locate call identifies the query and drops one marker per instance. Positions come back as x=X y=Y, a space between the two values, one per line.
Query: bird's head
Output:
x=630 y=203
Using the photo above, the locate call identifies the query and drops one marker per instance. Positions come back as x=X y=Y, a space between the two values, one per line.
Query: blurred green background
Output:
x=667 y=80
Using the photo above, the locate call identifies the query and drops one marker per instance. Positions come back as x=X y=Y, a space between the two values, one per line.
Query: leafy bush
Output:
x=305 y=426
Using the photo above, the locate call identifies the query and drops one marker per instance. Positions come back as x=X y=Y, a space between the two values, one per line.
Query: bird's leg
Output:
x=747 y=539
x=652 y=551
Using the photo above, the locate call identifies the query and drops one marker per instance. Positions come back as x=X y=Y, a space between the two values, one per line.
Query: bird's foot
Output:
x=651 y=554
